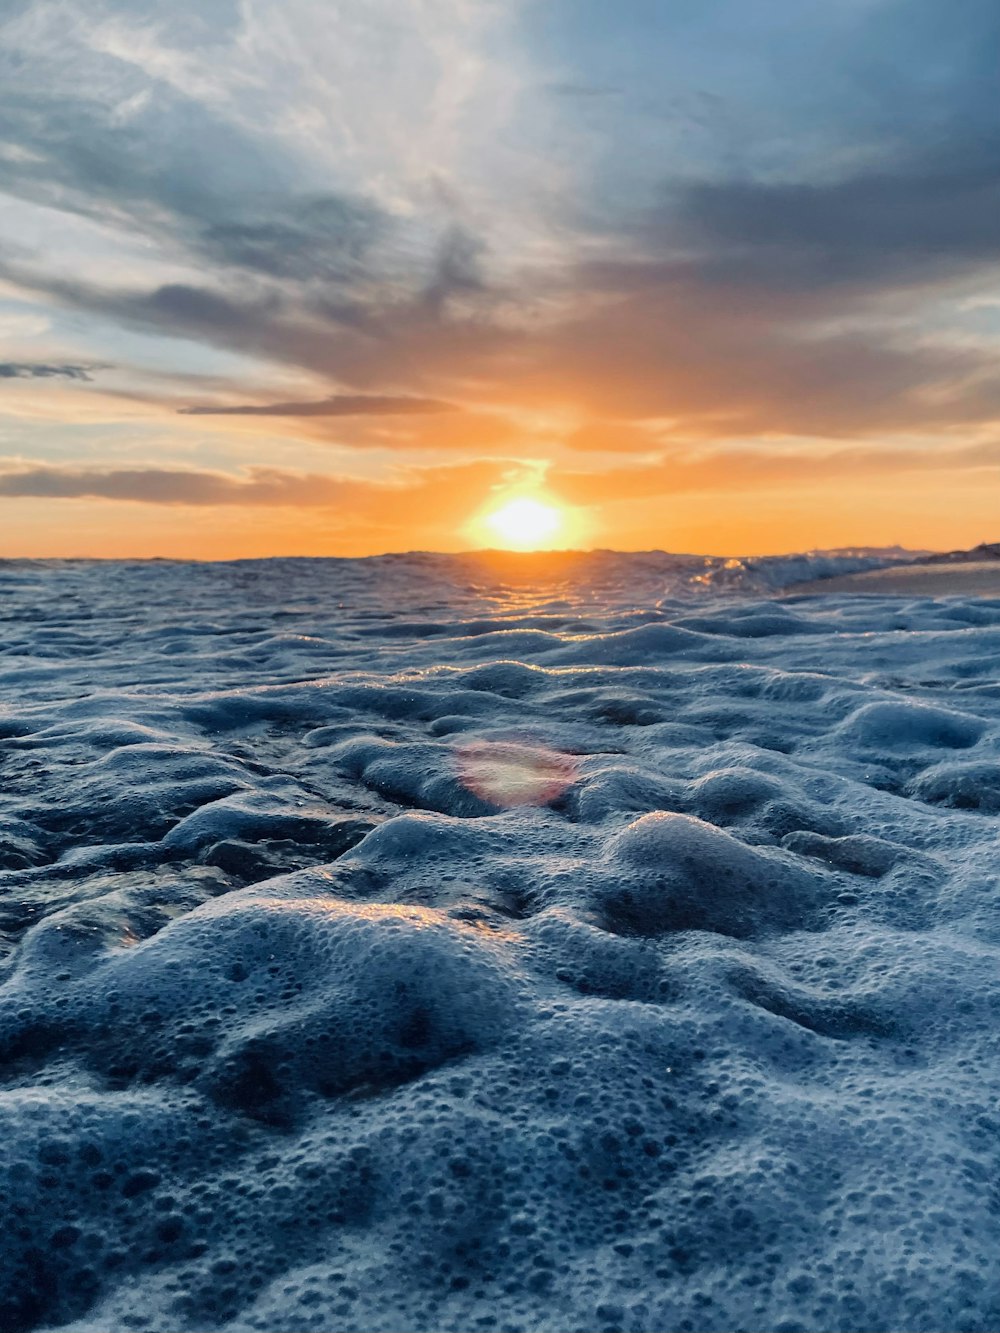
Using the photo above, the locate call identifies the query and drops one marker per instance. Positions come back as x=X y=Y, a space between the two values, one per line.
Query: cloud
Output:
x=173 y=486
x=308 y=239
x=457 y=269
x=40 y=370
x=410 y=340
x=452 y=493
x=435 y=499
x=914 y=222
x=340 y=405
x=216 y=192
x=783 y=283
x=885 y=178
x=158 y=125
x=728 y=470
x=613 y=437
x=634 y=341
x=662 y=346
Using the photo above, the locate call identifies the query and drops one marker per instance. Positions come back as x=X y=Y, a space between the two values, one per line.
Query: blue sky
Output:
x=335 y=277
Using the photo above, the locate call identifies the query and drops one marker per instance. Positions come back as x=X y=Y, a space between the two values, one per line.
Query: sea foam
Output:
x=453 y=943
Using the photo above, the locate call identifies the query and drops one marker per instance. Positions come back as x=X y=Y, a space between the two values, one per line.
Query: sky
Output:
x=337 y=277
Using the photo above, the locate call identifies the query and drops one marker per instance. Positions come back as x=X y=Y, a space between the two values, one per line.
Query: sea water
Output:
x=530 y=943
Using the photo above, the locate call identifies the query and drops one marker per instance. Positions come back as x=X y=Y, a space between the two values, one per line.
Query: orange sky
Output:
x=432 y=511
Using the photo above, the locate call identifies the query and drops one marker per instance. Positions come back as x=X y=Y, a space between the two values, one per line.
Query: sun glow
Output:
x=524 y=524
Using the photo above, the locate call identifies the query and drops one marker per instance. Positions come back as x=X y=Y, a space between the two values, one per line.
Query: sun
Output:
x=524 y=524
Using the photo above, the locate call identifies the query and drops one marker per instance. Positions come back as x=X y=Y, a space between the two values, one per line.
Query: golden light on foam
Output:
x=508 y=773
x=523 y=524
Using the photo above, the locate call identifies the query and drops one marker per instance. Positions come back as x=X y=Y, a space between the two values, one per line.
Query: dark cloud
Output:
x=908 y=194
x=913 y=224
x=340 y=405
x=403 y=341
x=255 y=321
x=310 y=239
x=41 y=370
x=196 y=308
x=173 y=486
x=457 y=268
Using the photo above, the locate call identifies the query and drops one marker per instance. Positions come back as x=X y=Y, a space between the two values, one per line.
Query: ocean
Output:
x=543 y=943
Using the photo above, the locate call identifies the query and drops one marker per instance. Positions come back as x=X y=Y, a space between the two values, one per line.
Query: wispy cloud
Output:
x=172 y=486
x=438 y=494
x=340 y=405
x=41 y=370
x=724 y=471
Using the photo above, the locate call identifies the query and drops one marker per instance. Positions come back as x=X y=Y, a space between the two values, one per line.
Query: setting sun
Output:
x=524 y=524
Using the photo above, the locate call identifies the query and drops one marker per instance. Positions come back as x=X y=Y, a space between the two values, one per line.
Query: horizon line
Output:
x=485 y=551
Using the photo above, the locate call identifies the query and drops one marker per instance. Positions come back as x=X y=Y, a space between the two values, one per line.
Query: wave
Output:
x=589 y=941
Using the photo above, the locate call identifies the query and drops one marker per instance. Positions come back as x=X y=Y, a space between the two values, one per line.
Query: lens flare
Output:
x=509 y=773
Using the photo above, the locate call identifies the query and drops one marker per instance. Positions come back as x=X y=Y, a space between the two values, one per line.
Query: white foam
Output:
x=307 y=1023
